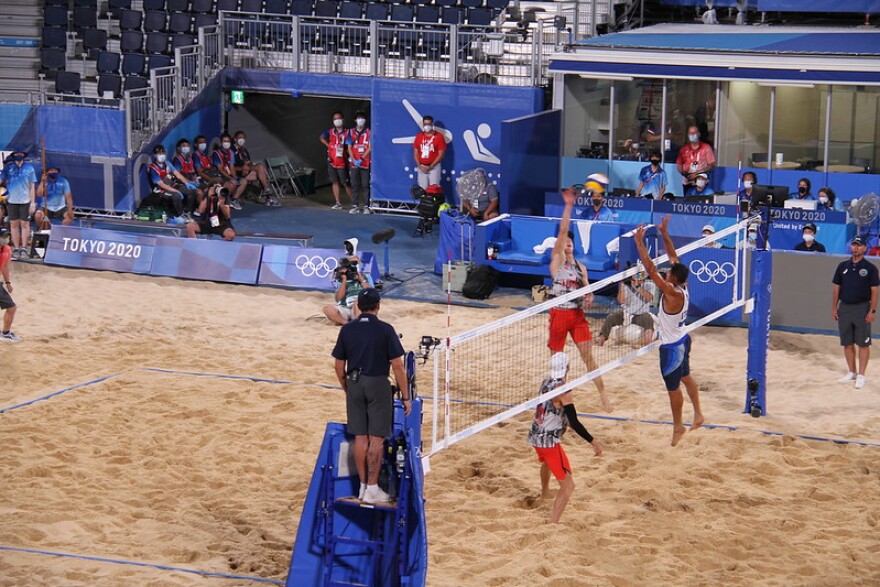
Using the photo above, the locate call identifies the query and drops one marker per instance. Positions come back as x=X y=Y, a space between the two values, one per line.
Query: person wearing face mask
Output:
x=595 y=187
x=709 y=230
x=337 y=165
x=224 y=161
x=19 y=178
x=828 y=200
x=744 y=193
x=359 y=149
x=205 y=168
x=810 y=244
x=184 y=162
x=429 y=148
x=694 y=158
x=803 y=191
x=751 y=242
x=6 y=303
x=250 y=173
x=54 y=199
x=170 y=184
x=652 y=178
x=854 y=308
x=701 y=187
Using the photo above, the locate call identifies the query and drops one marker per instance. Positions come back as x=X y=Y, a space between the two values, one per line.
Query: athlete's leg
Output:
x=566 y=488
x=586 y=351
x=693 y=391
x=676 y=402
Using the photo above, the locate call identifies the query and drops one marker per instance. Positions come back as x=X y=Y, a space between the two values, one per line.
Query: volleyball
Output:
x=597 y=183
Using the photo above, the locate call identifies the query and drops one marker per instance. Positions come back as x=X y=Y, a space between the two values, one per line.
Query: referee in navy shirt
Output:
x=366 y=349
x=854 y=307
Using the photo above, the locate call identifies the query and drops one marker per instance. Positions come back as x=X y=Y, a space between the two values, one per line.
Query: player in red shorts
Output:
x=568 y=317
x=551 y=420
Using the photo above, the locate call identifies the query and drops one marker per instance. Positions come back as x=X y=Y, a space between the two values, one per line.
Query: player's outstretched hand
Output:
x=664 y=225
x=568 y=196
x=597 y=447
x=639 y=234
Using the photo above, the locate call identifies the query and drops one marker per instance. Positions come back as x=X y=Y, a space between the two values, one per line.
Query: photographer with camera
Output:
x=351 y=283
x=635 y=296
x=214 y=214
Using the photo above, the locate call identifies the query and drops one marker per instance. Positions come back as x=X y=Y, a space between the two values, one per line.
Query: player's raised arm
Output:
x=651 y=269
x=667 y=242
x=558 y=256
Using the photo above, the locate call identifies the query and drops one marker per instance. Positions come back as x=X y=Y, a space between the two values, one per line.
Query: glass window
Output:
x=691 y=103
x=854 y=134
x=586 y=117
x=745 y=125
x=799 y=128
x=637 y=117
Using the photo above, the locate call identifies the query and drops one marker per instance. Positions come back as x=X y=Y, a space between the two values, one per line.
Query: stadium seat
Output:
x=204 y=20
x=202 y=6
x=68 y=82
x=377 y=11
x=471 y=3
x=445 y=3
x=135 y=82
x=55 y=3
x=157 y=61
x=94 y=40
x=183 y=40
x=131 y=42
x=156 y=43
x=351 y=9
x=85 y=17
x=154 y=21
x=301 y=8
x=497 y=5
x=276 y=6
x=180 y=22
x=427 y=14
x=108 y=62
x=177 y=6
x=402 y=13
x=153 y=5
x=115 y=7
x=227 y=5
x=479 y=17
x=52 y=60
x=55 y=16
x=54 y=38
x=326 y=8
x=255 y=6
x=93 y=4
x=452 y=15
x=133 y=64
x=110 y=82
x=130 y=20
x=421 y=2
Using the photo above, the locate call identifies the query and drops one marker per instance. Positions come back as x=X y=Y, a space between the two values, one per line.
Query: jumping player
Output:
x=568 y=317
x=675 y=347
x=551 y=420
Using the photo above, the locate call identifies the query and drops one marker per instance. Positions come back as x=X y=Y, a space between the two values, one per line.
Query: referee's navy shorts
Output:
x=369 y=406
x=851 y=324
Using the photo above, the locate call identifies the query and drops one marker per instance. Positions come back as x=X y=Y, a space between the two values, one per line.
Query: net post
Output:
x=761 y=273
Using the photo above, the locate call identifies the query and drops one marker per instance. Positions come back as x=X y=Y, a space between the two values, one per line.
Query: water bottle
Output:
x=164 y=216
x=400 y=459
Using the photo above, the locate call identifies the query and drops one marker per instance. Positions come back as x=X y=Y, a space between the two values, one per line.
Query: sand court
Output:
x=209 y=473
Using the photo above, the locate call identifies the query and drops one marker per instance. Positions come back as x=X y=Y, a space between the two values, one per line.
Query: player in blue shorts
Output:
x=675 y=347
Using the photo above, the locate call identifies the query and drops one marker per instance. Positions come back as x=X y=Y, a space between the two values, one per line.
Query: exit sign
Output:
x=237 y=96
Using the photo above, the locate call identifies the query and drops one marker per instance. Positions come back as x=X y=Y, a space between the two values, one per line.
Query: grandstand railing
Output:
x=440 y=52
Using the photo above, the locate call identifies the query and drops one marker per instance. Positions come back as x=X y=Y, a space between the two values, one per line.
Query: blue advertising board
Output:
x=832 y=229
x=210 y=260
x=308 y=268
x=711 y=282
x=92 y=248
x=626 y=210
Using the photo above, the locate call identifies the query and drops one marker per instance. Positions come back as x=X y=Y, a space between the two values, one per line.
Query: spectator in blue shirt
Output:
x=700 y=186
x=828 y=200
x=749 y=179
x=170 y=184
x=652 y=178
x=19 y=178
x=596 y=185
x=54 y=200
x=803 y=191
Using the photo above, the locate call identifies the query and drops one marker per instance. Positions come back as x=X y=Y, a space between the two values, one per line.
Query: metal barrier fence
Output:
x=441 y=52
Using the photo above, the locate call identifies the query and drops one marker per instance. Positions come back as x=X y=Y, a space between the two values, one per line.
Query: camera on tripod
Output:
x=428 y=206
x=426 y=345
x=346 y=267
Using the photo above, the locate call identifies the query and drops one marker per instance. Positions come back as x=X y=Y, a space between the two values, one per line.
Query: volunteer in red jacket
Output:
x=359 y=148
x=334 y=140
x=428 y=151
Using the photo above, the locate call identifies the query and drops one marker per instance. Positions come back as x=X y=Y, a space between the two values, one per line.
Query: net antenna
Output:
x=492 y=373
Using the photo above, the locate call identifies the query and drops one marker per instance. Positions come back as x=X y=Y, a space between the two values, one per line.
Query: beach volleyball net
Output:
x=492 y=373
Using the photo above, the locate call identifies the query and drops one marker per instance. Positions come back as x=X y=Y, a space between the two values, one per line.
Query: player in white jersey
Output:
x=675 y=347
x=568 y=318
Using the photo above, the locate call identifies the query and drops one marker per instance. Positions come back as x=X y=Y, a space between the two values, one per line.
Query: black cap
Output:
x=811 y=226
x=859 y=240
x=369 y=297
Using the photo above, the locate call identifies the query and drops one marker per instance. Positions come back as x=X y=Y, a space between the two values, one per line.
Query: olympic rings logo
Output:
x=316 y=265
x=705 y=272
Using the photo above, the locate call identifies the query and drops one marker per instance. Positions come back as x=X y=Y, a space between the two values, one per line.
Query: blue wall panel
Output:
x=530 y=148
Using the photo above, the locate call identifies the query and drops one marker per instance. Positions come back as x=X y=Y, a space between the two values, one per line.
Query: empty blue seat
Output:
x=154 y=21
x=452 y=15
x=479 y=17
x=202 y=6
x=94 y=40
x=204 y=20
x=154 y=5
x=110 y=82
x=108 y=62
x=276 y=6
x=180 y=22
x=55 y=16
x=402 y=13
x=54 y=37
x=301 y=8
x=68 y=82
x=52 y=61
x=115 y=7
x=377 y=11
x=227 y=5
x=445 y=3
x=182 y=40
x=427 y=14
x=326 y=8
x=251 y=6
x=471 y=3
x=177 y=5
x=497 y=4
x=85 y=17
x=156 y=43
x=130 y=20
x=131 y=41
x=351 y=9
x=133 y=64
x=93 y=4
x=135 y=82
x=157 y=61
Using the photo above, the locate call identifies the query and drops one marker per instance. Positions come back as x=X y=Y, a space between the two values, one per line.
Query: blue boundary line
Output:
x=140 y=564
x=239 y=377
x=65 y=390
